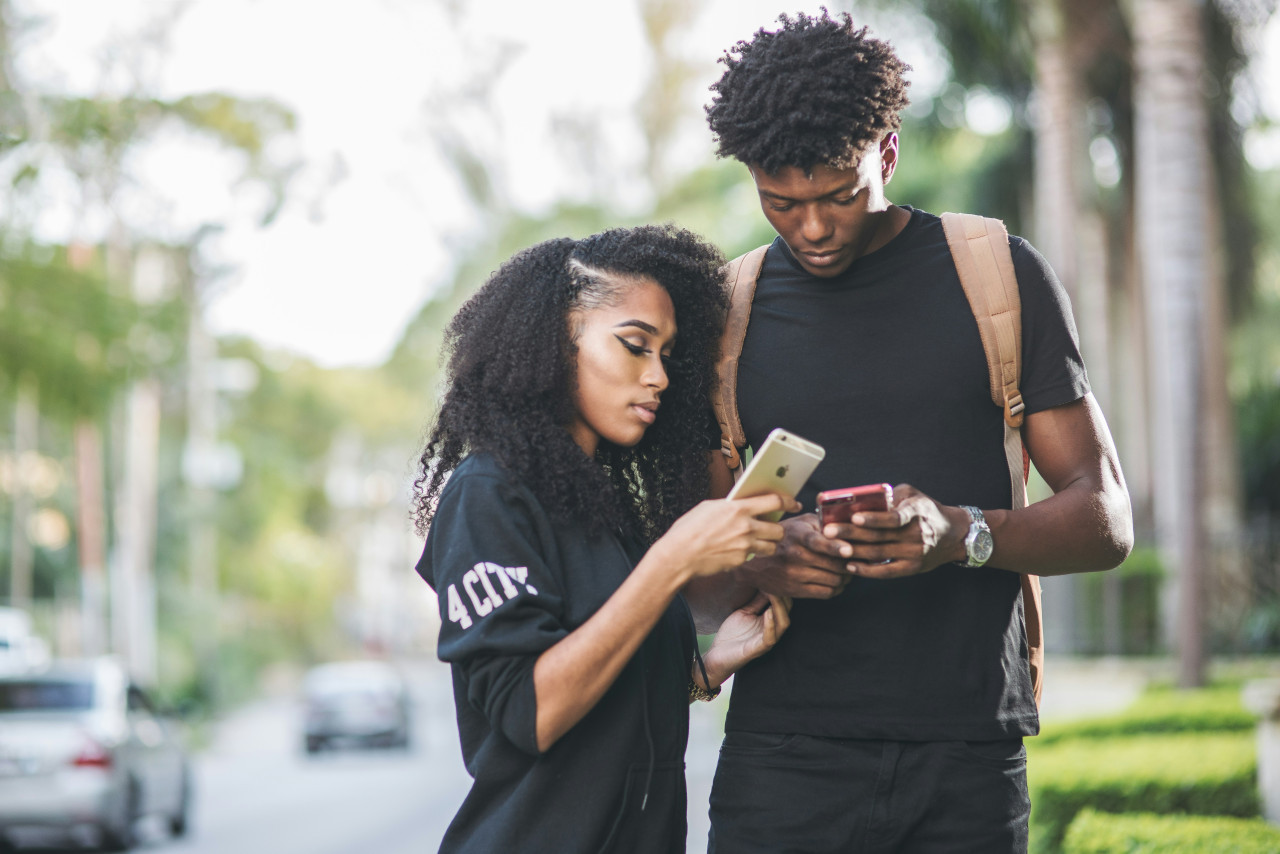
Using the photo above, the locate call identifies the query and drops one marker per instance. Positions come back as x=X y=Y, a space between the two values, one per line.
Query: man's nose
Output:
x=814 y=227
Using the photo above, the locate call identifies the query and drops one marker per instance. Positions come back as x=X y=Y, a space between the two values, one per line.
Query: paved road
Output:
x=258 y=793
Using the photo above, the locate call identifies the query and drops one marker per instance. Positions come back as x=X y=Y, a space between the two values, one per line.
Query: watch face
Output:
x=983 y=545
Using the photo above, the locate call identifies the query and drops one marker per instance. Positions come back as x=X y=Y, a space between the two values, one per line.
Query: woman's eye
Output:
x=633 y=349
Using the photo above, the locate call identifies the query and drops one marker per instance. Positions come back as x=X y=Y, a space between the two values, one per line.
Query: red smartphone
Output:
x=839 y=505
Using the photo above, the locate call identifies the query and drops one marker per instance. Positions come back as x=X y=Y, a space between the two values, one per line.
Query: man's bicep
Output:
x=721 y=478
x=1071 y=443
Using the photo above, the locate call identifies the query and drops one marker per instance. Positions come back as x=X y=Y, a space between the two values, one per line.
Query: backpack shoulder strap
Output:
x=980 y=249
x=740 y=277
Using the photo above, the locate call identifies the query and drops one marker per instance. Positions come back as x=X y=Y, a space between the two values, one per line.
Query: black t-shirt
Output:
x=884 y=367
x=511 y=583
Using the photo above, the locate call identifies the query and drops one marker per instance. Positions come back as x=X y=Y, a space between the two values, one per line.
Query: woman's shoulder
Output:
x=482 y=477
x=480 y=464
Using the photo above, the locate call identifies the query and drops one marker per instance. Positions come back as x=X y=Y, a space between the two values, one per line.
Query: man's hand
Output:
x=917 y=535
x=806 y=565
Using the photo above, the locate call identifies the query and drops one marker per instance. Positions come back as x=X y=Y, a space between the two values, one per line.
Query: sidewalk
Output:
x=1084 y=687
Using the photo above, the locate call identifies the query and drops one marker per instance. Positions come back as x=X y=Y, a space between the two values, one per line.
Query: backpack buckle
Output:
x=731 y=454
x=1013 y=407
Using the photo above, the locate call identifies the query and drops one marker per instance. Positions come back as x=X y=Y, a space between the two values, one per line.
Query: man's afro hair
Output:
x=817 y=91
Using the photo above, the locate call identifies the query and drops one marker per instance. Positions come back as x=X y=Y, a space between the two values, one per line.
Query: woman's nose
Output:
x=655 y=375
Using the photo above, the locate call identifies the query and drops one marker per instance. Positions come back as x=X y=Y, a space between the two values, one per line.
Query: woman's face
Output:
x=621 y=375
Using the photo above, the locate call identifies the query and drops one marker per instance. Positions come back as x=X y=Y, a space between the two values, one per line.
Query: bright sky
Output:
x=375 y=214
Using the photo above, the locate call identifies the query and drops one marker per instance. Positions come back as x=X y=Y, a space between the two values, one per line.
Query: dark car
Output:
x=356 y=703
x=81 y=748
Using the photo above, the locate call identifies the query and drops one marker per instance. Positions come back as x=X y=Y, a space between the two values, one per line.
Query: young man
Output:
x=891 y=716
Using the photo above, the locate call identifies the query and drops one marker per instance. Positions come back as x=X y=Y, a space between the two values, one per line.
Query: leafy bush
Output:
x=1162 y=710
x=1100 y=833
x=1135 y=586
x=1204 y=774
x=1258 y=428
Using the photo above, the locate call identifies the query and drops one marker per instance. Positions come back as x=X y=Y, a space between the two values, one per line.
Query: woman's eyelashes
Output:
x=633 y=348
x=640 y=350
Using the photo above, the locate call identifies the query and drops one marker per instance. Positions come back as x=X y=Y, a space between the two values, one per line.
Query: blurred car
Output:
x=20 y=648
x=82 y=748
x=357 y=703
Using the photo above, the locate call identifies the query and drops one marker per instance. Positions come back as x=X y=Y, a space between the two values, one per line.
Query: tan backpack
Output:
x=980 y=250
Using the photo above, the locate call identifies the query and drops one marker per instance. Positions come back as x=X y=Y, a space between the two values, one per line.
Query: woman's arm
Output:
x=572 y=675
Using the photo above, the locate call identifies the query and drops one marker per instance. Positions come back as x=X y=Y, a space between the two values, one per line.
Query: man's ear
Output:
x=888 y=157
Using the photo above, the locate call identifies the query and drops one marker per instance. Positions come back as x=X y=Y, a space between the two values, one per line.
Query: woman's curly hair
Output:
x=816 y=92
x=511 y=377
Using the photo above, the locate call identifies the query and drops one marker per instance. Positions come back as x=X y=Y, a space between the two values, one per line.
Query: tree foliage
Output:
x=70 y=334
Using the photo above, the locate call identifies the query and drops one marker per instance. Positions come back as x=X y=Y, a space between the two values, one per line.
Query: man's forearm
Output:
x=1083 y=528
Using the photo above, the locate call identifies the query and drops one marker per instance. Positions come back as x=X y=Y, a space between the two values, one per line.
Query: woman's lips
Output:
x=644 y=413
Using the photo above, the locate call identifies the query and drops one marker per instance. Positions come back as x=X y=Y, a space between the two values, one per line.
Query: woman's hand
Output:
x=723 y=534
x=747 y=633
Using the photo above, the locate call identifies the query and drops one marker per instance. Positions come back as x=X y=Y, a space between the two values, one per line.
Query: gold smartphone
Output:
x=782 y=465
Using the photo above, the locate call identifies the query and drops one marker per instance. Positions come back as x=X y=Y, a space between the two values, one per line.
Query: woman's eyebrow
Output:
x=639 y=324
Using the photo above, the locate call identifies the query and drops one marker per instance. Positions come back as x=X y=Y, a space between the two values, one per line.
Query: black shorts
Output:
x=776 y=793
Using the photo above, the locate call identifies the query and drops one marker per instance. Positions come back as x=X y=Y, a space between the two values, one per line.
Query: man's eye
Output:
x=774 y=207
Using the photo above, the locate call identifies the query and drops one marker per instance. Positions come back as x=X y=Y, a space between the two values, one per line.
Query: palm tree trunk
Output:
x=1176 y=250
x=1070 y=233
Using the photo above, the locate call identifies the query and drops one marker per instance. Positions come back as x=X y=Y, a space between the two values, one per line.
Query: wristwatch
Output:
x=978 y=544
x=697 y=692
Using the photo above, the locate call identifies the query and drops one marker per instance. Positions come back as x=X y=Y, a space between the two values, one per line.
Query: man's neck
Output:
x=889 y=224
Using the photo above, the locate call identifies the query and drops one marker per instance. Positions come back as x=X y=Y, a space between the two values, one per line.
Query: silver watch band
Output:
x=978 y=543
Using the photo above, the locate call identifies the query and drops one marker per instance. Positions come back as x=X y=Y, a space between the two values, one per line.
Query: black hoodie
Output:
x=511 y=583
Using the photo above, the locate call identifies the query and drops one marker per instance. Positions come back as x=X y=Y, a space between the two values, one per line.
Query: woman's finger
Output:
x=770 y=629
x=771 y=502
x=767 y=530
x=763 y=548
x=781 y=612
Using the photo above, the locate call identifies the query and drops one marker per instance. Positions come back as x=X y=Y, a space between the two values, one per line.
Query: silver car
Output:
x=82 y=749
x=359 y=703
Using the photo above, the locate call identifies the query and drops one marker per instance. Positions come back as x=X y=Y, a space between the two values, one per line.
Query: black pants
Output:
x=778 y=793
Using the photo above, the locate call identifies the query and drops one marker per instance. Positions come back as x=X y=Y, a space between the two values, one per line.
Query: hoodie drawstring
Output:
x=648 y=729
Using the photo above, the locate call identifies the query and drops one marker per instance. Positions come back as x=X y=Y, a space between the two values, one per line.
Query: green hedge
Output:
x=1204 y=774
x=1135 y=584
x=1100 y=833
x=1161 y=710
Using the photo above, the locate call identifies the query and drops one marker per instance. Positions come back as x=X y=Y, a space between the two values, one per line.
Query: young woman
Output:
x=559 y=490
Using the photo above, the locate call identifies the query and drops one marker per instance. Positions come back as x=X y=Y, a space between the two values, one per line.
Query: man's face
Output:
x=829 y=217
